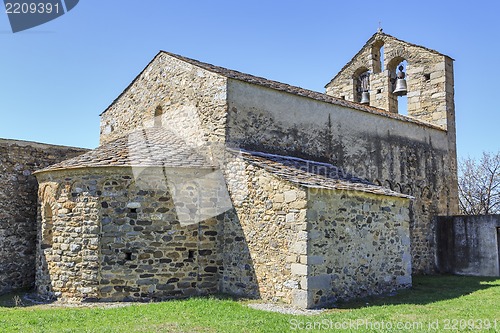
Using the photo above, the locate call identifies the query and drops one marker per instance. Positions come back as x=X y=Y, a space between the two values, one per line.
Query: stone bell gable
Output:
x=429 y=77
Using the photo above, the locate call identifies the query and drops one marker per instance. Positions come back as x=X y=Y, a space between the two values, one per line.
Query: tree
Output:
x=479 y=185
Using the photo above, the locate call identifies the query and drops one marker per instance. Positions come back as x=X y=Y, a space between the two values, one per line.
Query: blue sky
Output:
x=55 y=79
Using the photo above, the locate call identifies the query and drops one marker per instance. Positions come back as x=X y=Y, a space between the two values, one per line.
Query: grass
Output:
x=434 y=304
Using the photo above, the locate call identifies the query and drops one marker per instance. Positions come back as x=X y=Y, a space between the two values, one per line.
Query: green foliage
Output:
x=432 y=305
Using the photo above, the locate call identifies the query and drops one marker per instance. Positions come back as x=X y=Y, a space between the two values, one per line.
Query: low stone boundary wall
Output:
x=469 y=245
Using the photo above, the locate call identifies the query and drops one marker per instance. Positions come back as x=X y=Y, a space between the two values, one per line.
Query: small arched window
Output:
x=397 y=71
x=157 y=116
x=47 y=227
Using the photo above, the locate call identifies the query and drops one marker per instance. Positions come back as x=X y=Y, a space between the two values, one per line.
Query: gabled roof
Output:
x=150 y=147
x=263 y=82
x=380 y=34
x=312 y=174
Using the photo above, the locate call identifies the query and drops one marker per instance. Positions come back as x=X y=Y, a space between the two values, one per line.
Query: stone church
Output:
x=209 y=180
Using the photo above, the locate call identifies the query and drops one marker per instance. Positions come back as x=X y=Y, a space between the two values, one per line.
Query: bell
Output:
x=365 y=97
x=400 y=89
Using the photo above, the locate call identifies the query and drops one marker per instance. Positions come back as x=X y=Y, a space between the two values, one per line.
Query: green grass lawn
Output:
x=434 y=304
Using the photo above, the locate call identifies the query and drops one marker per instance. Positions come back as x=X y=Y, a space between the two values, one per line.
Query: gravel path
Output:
x=286 y=309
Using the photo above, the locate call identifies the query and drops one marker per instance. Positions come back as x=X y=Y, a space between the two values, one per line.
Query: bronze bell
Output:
x=401 y=88
x=365 y=97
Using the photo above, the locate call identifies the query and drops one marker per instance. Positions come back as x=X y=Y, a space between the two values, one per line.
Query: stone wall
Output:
x=120 y=235
x=309 y=246
x=403 y=156
x=358 y=245
x=264 y=234
x=18 y=190
x=469 y=245
x=188 y=100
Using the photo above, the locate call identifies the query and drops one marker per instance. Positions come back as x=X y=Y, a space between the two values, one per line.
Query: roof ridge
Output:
x=279 y=86
x=295 y=90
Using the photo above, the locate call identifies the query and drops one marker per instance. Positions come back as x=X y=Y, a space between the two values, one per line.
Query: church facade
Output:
x=210 y=180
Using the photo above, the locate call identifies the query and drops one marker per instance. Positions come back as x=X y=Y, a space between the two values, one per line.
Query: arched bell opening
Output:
x=398 y=101
x=361 y=80
x=378 y=56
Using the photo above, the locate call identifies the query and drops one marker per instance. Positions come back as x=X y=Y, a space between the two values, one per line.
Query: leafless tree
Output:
x=479 y=185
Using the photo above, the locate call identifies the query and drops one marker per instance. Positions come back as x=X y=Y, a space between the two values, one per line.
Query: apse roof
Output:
x=147 y=147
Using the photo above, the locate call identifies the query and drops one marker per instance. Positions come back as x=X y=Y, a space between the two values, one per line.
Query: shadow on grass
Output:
x=28 y=298
x=21 y=299
x=428 y=289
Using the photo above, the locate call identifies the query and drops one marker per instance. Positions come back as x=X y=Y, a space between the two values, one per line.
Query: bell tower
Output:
x=386 y=69
x=387 y=72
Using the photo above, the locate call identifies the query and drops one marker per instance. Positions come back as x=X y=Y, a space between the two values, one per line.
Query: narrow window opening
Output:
x=378 y=57
x=190 y=254
x=133 y=210
x=379 y=91
x=343 y=97
x=128 y=255
x=157 y=116
x=382 y=58
x=427 y=77
x=47 y=227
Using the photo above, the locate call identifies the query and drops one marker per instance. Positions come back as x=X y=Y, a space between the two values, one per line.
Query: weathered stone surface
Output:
x=18 y=196
x=93 y=245
x=365 y=251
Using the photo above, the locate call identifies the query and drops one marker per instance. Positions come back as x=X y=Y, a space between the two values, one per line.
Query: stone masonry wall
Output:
x=120 y=235
x=18 y=197
x=358 y=245
x=403 y=156
x=469 y=245
x=265 y=234
x=189 y=101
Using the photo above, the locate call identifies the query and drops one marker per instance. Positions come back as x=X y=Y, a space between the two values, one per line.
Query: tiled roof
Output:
x=154 y=146
x=313 y=174
x=263 y=82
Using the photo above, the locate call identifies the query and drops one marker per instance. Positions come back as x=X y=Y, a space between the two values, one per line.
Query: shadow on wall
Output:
x=150 y=236
x=238 y=274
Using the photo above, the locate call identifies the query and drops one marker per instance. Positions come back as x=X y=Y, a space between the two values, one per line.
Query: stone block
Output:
x=134 y=205
x=290 y=196
x=322 y=282
x=299 y=269
x=301 y=298
x=315 y=260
